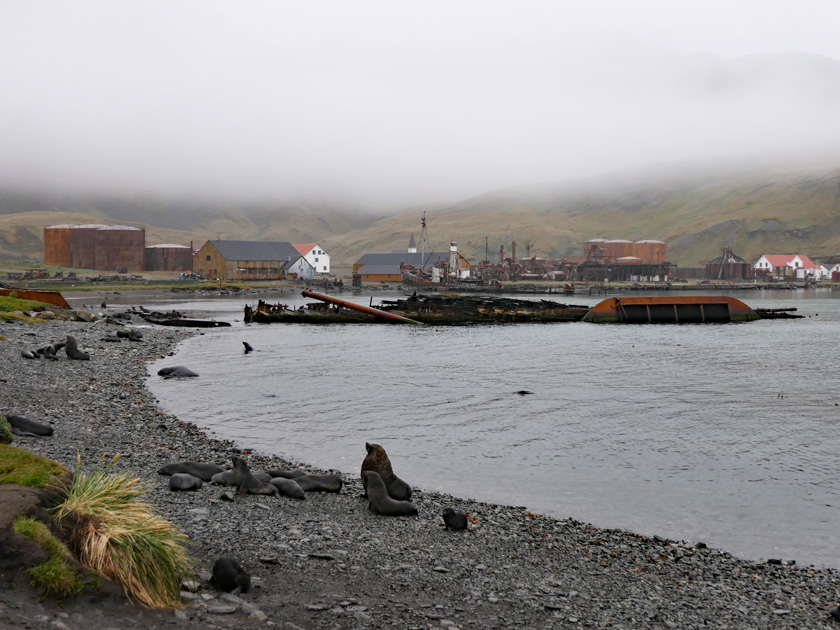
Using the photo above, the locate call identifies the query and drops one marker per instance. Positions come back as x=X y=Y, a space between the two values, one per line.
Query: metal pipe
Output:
x=359 y=307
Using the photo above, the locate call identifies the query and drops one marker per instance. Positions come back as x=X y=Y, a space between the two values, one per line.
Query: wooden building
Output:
x=251 y=260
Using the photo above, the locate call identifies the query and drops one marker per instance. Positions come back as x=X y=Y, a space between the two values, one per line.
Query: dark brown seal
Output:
x=246 y=483
x=184 y=481
x=378 y=500
x=377 y=461
x=453 y=519
x=288 y=487
x=73 y=352
x=228 y=575
x=319 y=483
x=204 y=472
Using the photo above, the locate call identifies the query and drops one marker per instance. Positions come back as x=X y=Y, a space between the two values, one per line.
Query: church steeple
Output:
x=412 y=246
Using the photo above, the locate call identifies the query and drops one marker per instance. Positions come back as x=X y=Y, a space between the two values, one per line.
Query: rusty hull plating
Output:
x=696 y=309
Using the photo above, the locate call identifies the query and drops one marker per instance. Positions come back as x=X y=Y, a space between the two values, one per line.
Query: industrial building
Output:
x=169 y=257
x=251 y=260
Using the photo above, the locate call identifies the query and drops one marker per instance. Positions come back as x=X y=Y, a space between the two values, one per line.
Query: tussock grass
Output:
x=27 y=469
x=117 y=535
x=55 y=576
x=6 y=435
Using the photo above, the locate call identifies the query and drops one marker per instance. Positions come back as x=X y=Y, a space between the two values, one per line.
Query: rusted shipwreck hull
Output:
x=695 y=309
x=47 y=297
x=175 y=318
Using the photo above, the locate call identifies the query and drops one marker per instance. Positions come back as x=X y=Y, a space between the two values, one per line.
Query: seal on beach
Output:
x=453 y=519
x=176 y=371
x=228 y=575
x=379 y=502
x=319 y=483
x=184 y=481
x=27 y=354
x=248 y=347
x=225 y=478
x=286 y=474
x=288 y=487
x=246 y=483
x=204 y=472
x=73 y=352
x=377 y=461
x=28 y=428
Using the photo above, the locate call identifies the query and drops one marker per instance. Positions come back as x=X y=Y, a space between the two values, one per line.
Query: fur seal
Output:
x=286 y=474
x=378 y=500
x=225 y=478
x=176 y=371
x=319 y=483
x=228 y=575
x=453 y=519
x=73 y=352
x=248 y=347
x=204 y=472
x=184 y=481
x=288 y=487
x=377 y=461
x=27 y=354
x=246 y=483
x=29 y=428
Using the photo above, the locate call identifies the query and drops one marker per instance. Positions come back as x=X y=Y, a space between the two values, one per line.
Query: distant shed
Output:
x=169 y=257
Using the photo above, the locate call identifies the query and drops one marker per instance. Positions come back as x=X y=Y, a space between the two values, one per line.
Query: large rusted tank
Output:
x=120 y=247
x=618 y=248
x=169 y=257
x=71 y=245
x=651 y=252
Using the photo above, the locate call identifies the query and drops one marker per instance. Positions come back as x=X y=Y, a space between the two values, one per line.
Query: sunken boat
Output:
x=434 y=309
x=695 y=309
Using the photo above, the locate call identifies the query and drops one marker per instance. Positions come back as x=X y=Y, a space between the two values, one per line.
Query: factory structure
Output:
x=117 y=248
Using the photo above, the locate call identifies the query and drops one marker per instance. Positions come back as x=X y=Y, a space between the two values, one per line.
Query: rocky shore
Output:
x=328 y=562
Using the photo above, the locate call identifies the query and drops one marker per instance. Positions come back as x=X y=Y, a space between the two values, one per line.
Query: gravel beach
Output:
x=328 y=562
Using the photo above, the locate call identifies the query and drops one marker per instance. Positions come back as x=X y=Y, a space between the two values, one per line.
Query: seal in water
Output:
x=28 y=428
x=184 y=481
x=453 y=519
x=246 y=483
x=379 y=502
x=248 y=347
x=319 y=483
x=377 y=461
x=176 y=371
x=72 y=350
x=204 y=472
x=288 y=487
x=228 y=575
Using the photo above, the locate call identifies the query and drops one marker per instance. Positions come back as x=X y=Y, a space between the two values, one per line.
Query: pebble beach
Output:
x=328 y=562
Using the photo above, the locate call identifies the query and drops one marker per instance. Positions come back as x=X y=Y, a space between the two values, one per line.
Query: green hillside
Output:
x=696 y=212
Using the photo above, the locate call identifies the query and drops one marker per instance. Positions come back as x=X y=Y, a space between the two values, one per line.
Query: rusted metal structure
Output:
x=168 y=257
x=120 y=248
x=697 y=309
x=47 y=297
x=95 y=246
x=392 y=317
x=728 y=266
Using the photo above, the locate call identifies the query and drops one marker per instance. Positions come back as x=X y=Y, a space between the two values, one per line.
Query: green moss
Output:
x=6 y=435
x=27 y=469
x=55 y=576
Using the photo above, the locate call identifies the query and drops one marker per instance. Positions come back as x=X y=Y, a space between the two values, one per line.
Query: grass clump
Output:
x=55 y=576
x=117 y=535
x=6 y=435
x=27 y=469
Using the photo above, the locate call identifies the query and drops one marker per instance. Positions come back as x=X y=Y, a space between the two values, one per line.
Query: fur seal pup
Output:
x=225 y=478
x=184 y=481
x=204 y=472
x=176 y=371
x=453 y=519
x=27 y=354
x=248 y=347
x=246 y=483
x=73 y=352
x=377 y=461
x=228 y=575
x=288 y=487
x=379 y=502
x=319 y=483
x=28 y=428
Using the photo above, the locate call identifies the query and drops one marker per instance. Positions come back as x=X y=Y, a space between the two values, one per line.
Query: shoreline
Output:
x=328 y=562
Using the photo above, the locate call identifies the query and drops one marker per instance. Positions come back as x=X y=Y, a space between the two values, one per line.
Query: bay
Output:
x=726 y=434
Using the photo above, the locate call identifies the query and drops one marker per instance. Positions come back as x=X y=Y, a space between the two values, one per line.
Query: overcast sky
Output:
x=402 y=102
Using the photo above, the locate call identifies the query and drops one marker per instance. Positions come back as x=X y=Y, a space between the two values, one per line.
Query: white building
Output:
x=791 y=266
x=315 y=256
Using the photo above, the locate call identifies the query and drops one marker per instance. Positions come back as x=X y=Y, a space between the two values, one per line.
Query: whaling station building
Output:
x=252 y=260
x=119 y=248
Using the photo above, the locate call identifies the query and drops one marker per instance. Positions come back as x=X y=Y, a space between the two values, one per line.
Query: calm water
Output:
x=726 y=434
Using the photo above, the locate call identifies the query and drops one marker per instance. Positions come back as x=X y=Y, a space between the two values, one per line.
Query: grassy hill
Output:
x=696 y=211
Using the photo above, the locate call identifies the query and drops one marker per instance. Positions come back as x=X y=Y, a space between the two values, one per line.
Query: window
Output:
x=208 y=258
x=316 y=260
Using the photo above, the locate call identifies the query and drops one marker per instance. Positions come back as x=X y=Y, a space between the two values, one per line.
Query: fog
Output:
x=398 y=103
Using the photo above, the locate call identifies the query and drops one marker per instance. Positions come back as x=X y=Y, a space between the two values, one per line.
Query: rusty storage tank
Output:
x=651 y=252
x=120 y=247
x=593 y=249
x=169 y=257
x=71 y=245
x=618 y=248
